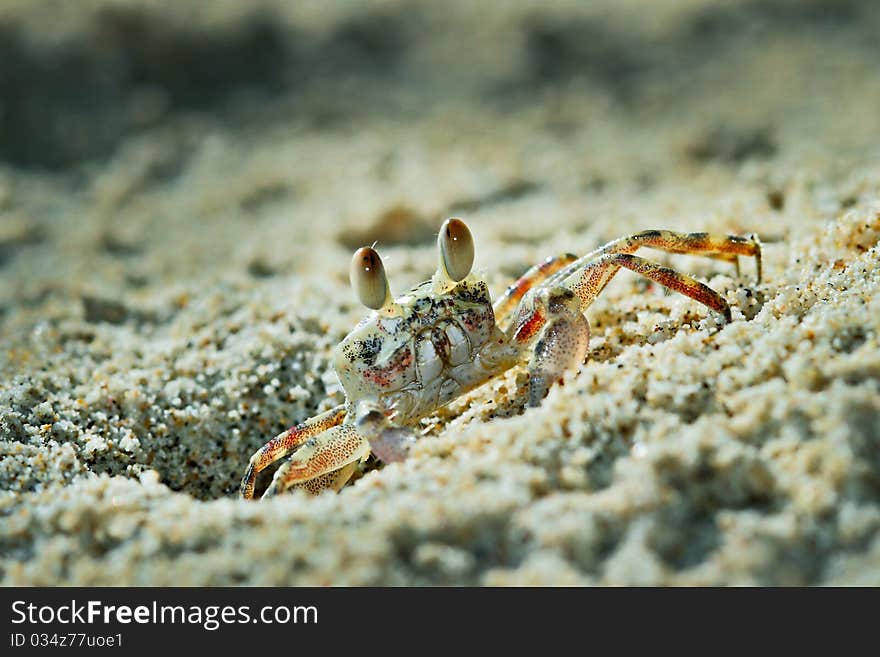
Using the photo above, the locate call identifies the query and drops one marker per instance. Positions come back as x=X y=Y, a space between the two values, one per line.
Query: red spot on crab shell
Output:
x=379 y=377
x=383 y=376
x=473 y=319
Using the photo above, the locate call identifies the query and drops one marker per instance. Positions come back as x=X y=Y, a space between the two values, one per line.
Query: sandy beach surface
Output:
x=181 y=189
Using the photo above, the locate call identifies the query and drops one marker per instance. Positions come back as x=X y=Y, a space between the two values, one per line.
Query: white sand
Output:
x=166 y=310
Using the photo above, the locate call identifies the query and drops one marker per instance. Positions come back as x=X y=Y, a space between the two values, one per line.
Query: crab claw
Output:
x=392 y=445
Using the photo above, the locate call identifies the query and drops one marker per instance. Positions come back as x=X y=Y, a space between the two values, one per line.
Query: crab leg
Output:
x=506 y=303
x=722 y=247
x=588 y=282
x=551 y=317
x=285 y=443
x=326 y=461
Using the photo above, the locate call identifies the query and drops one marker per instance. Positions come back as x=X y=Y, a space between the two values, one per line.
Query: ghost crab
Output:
x=413 y=354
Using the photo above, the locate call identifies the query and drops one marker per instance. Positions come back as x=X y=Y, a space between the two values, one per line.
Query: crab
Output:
x=412 y=355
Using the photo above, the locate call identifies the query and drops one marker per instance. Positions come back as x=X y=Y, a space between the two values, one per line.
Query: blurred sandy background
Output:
x=181 y=187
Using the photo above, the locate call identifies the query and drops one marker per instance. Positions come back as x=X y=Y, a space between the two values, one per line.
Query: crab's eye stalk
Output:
x=368 y=279
x=456 y=249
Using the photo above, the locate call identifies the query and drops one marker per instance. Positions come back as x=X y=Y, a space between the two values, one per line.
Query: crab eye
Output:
x=367 y=275
x=456 y=249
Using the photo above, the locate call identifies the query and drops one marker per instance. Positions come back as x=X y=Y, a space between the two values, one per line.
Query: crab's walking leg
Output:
x=508 y=301
x=589 y=282
x=285 y=442
x=552 y=318
x=722 y=247
x=326 y=460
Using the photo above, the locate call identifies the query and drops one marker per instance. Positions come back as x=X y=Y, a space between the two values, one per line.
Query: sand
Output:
x=180 y=192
